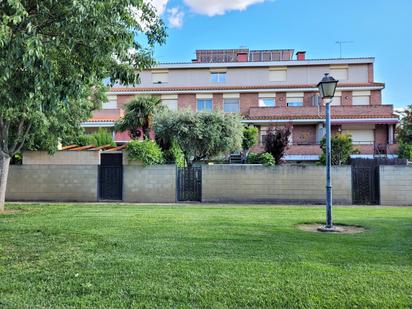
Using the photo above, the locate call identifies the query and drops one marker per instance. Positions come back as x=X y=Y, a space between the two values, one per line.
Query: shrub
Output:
x=146 y=151
x=99 y=138
x=405 y=151
x=277 y=141
x=264 y=158
x=342 y=148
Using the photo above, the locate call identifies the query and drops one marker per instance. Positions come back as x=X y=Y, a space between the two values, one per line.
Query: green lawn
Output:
x=128 y=256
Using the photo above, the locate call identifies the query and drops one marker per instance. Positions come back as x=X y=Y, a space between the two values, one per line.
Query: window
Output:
x=294 y=99
x=231 y=105
x=204 y=105
x=361 y=98
x=160 y=77
x=277 y=74
x=170 y=101
x=218 y=77
x=337 y=99
x=111 y=104
x=339 y=72
x=267 y=99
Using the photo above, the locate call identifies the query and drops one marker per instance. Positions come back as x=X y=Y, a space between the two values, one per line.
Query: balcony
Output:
x=312 y=112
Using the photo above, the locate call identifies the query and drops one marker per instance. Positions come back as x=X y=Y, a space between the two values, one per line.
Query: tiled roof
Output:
x=92 y=148
x=153 y=89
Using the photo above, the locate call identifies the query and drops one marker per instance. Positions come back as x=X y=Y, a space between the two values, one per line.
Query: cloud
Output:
x=159 y=5
x=175 y=17
x=219 y=7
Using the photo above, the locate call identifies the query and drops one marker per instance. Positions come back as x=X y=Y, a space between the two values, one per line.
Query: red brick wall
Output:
x=124 y=99
x=248 y=100
x=281 y=99
x=307 y=99
x=370 y=73
x=376 y=97
x=304 y=134
x=346 y=98
x=381 y=134
x=218 y=101
x=186 y=101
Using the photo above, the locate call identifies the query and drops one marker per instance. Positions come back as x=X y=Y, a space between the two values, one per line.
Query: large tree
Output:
x=139 y=115
x=405 y=129
x=200 y=135
x=53 y=57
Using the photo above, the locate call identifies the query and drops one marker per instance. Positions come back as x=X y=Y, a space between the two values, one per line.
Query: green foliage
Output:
x=277 y=141
x=405 y=128
x=199 y=135
x=250 y=137
x=53 y=58
x=342 y=148
x=405 y=151
x=138 y=116
x=174 y=154
x=264 y=158
x=103 y=137
x=146 y=151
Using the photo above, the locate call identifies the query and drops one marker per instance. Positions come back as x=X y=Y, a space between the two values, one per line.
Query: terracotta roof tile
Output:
x=152 y=89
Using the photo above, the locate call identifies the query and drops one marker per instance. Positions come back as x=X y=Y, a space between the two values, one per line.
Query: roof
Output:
x=217 y=88
x=92 y=148
x=288 y=117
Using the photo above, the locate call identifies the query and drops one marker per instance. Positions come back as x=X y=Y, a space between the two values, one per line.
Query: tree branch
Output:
x=20 y=146
x=19 y=133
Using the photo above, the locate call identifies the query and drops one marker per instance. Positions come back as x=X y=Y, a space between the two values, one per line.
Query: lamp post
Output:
x=327 y=88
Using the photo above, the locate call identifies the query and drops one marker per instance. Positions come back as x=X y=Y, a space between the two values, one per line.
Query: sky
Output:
x=374 y=28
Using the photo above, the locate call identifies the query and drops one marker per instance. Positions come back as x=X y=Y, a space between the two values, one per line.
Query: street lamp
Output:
x=327 y=88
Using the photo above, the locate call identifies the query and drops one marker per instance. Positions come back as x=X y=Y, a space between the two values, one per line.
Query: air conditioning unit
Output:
x=316 y=100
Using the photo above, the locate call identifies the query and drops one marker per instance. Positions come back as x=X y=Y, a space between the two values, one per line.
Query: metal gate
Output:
x=111 y=176
x=365 y=181
x=189 y=183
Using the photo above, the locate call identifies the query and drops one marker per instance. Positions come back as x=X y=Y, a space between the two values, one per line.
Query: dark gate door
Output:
x=365 y=181
x=111 y=176
x=189 y=183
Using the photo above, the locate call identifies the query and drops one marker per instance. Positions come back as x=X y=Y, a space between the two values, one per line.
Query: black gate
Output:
x=111 y=176
x=189 y=183
x=365 y=179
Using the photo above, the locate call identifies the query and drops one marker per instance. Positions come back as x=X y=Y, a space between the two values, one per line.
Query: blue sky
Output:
x=378 y=28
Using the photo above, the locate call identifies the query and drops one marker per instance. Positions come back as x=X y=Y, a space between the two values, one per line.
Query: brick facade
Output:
x=248 y=100
x=185 y=101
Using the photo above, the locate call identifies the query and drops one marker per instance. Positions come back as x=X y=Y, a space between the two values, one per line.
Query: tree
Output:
x=277 y=141
x=405 y=129
x=54 y=56
x=250 y=139
x=138 y=117
x=341 y=149
x=200 y=135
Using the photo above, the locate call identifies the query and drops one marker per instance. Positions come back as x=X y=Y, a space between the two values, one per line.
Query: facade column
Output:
x=320 y=132
x=390 y=134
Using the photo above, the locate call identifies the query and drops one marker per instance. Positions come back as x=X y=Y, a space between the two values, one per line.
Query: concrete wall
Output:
x=52 y=183
x=62 y=158
x=152 y=184
x=292 y=183
x=396 y=185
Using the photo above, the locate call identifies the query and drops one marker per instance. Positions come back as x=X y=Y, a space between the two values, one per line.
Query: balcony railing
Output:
x=311 y=111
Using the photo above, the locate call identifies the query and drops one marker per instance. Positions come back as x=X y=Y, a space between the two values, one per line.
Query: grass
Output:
x=213 y=256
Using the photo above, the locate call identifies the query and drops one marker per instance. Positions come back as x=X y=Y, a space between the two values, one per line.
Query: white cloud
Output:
x=159 y=5
x=219 y=7
x=175 y=17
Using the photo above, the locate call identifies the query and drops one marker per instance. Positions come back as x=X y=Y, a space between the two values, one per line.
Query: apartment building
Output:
x=270 y=88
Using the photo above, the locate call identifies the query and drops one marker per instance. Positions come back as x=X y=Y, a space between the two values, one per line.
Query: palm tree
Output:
x=138 y=116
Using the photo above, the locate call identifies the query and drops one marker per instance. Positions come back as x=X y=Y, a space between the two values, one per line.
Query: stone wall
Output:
x=288 y=184
x=396 y=185
x=41 y=182
x=152 y=184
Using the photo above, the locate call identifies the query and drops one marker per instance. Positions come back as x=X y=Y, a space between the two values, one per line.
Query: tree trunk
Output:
x=4 y=171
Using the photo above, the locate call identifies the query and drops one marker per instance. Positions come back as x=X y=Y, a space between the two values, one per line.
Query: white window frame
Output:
x=339 y=72
x=267 y=96
x=278 y=74
x=294 y=97
x=171 y=101
x=221 y=77
x=362 y=95
x=160 y=77
x=231 y=96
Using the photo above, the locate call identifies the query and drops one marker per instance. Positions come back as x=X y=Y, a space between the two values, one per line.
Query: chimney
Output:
x=241 y=56
x=301 y=55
